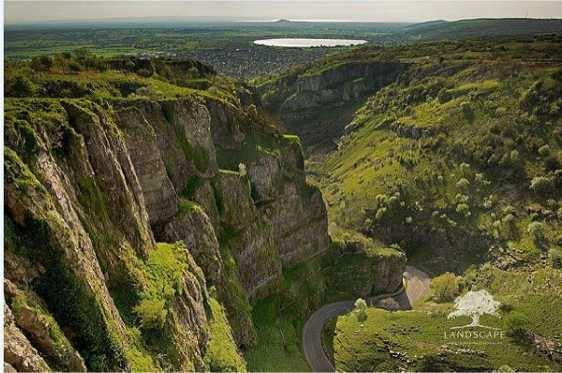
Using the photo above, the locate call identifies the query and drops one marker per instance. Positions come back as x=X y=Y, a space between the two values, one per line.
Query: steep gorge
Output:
x=92 y=186
x=316 y=101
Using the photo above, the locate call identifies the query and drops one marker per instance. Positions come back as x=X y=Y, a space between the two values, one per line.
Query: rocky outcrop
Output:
x=544 y=346
x=41 y=328
x=265 y=209
x=201 y=241
x=379 y=269
x=19 y=354
x=159 y=193
x=250 y=234
x=78 y=233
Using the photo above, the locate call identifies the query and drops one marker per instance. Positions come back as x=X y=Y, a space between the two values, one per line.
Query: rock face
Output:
x=90 y=190
x=318 y=103
x=78 y=231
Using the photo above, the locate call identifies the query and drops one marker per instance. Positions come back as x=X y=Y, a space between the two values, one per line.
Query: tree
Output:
x=242 y=169
x=361 y=309
x=21 y=87
x=475 y=304
x=42 y=63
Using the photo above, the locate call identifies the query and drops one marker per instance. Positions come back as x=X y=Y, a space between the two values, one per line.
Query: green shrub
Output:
x=185 y=205
x=380 y=213
x=481 y=179
x=75 y=67
x=536 y=230
x=551 y=163
x=544 y=150
x=152 y=313
x=165 y=270
x=21 y=87
x=463 y=209
x=463 y=184
x=516 y=325
x=222 y=354
x=465 y=169
x=514 y=156
x=542 y=185
x=42 y=63
x=445 y=287
x=192 y=184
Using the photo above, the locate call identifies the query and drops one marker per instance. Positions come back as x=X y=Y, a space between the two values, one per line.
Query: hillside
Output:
x=482 y=28
x=457 y=160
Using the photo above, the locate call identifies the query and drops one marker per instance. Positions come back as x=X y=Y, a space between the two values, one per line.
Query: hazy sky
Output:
x=358 y=10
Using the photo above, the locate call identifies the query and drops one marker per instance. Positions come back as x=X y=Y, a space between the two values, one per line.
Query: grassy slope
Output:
x=507 y=113
x=376 y=160
x=420 y=333
x=83 y=75
x=222 y=354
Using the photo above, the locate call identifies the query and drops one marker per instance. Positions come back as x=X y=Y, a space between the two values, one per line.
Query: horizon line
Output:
x=250 y=20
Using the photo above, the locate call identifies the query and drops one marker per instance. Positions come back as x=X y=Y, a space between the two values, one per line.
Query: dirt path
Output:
x=417 y=285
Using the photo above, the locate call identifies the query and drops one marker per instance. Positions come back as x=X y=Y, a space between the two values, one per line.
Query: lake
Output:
x=301 y=43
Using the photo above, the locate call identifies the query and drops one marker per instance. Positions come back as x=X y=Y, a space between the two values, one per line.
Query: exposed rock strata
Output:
x=91 y=188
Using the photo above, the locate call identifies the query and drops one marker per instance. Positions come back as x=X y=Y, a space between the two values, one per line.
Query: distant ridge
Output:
x=483 y=27
x=425 y=25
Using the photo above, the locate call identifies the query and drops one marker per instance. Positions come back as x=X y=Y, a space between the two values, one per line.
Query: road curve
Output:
x=417 y=285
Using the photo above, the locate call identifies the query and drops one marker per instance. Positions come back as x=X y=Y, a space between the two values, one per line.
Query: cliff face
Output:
x=90 y=190
x=319 y=102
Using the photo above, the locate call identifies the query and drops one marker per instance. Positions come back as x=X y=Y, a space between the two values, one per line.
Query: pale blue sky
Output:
x=357 y=10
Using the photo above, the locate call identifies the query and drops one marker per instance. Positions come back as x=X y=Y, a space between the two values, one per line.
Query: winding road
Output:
x=417 y=285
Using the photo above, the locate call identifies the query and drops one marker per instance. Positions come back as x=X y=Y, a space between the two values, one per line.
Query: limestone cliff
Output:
x=318 y=101
x=97 y=193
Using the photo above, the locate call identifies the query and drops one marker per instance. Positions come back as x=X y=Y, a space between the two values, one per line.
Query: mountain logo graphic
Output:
x=475 y=304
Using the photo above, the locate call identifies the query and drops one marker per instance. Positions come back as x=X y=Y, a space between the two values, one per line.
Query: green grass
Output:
x=187 y=206
x=420 y=335
x=165 y=273
x=278 y=341
x=222 y=353
x=255 y=145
